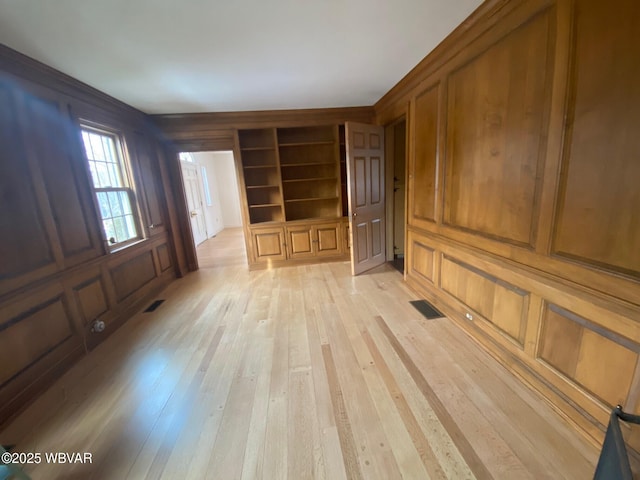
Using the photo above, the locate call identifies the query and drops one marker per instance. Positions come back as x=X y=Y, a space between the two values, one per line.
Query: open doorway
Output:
x=213 y=203
x=396 y=151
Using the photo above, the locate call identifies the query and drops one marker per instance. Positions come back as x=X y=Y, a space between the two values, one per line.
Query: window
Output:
x=111 y=185
x=205 y=182
x=186 y=157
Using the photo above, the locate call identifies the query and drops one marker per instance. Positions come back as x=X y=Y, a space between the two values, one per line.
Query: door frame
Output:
x=182 y=212
x=389 y=138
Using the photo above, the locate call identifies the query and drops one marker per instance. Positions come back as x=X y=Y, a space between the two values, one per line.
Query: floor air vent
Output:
x=153 y=306
x=426 y=309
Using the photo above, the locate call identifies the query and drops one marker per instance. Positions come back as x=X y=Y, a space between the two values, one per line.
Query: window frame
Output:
x=128 y=181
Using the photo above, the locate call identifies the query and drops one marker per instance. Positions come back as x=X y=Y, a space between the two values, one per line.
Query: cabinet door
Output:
x=327 y=239
x=268 y=244
x=300 y=241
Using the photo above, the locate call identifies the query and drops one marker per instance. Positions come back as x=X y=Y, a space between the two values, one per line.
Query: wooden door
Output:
x=365 y=176
x=193 y=191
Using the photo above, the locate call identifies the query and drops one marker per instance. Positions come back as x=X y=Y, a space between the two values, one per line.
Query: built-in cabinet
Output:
x=300 y=240
x=319 y=240
x=293 y=178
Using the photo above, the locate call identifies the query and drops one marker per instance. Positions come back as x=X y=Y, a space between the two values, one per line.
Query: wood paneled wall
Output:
x=56 y=275
x=523 y=198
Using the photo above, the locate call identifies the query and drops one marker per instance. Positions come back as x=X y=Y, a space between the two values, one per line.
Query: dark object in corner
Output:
x=614 y=460
x=426 y=309
x=398 y=263
x=153 y=306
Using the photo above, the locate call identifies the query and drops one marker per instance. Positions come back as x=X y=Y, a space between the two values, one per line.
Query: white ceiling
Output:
x=170 y=56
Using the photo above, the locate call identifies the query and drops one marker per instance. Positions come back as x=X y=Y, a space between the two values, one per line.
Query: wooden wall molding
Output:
x=187 y=126
x=610 y=310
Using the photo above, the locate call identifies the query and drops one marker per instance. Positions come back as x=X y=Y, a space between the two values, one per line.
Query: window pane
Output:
x=107 y=148
x=87 y=145
x=109 y=229
x=94 y=174
x=205 y=182
x=126 y=203
x=185 y=156
x=131 y=226
x=96 y=147
x=103 y=202
x=114 y=175
x=103 y=175
x=121 y=229
x=114 y=201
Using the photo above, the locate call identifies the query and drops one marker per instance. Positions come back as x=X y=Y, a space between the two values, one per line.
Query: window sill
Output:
x=132 y=243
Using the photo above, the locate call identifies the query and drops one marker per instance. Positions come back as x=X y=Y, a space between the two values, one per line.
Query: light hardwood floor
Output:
x=298 y=372
x=225 y=249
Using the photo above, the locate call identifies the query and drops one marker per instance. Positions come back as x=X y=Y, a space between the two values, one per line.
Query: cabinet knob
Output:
x=355 y=214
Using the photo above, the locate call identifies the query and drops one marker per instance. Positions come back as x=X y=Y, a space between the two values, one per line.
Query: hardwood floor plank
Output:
x=404 y=450
x=445 y=450
x=275 y=464
x=468 y=453
x=253 y=456
x=330 y=441
x=227 y=455
x=421 y=443
x=375 y=455
x=343 y=425
x=521 y=418
x=304 y=463
x=185 y=447
x=485 y=437
x=223 y=250
x=298 y=372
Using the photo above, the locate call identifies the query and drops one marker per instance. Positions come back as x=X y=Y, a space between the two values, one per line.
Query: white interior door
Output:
x=366 y=193
x=193 y=190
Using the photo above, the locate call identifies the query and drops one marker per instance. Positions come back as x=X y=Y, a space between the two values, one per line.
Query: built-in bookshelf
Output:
x=310 y=172
x=293 y=173
x=342 y=146
x=263 y=188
